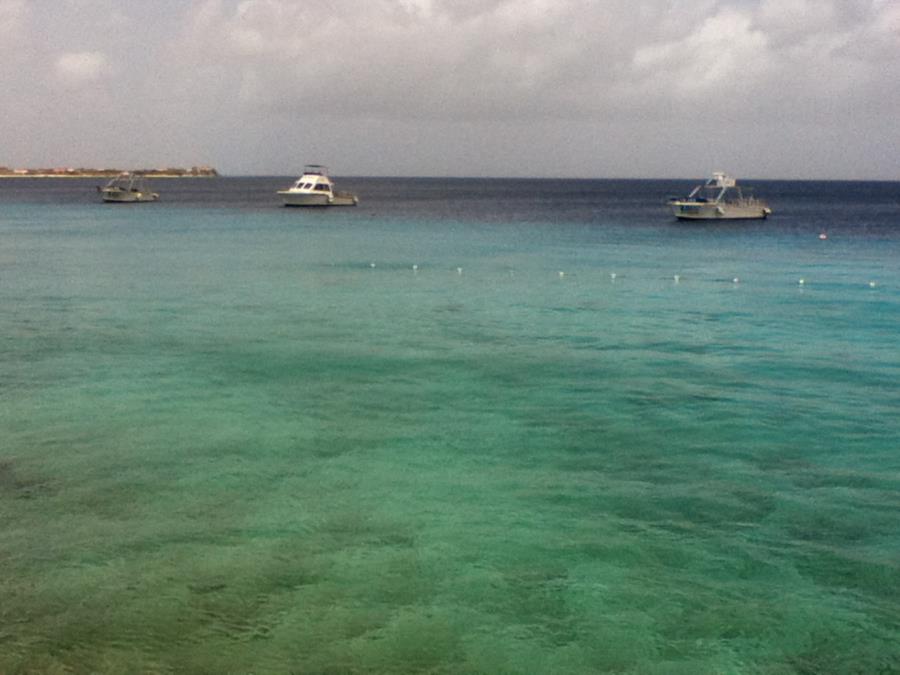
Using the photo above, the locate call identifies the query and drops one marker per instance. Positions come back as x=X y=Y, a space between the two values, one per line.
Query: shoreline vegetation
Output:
x=169 y=172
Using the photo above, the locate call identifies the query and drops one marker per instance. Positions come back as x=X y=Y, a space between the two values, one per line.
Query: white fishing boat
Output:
x=315 y=188
x=126 y=188
x=719 y=198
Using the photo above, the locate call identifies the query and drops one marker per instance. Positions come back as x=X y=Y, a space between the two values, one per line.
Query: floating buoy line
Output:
x=614 y=276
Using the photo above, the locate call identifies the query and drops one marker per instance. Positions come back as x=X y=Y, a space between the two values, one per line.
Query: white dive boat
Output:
x=127 y=187
x=314 y=188
x=719 y=198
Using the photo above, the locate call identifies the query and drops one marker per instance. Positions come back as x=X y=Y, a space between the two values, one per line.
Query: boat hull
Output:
x=340 y=199
x=303 y=198
x=115 y=196
x=296 y=198
x=684 y=210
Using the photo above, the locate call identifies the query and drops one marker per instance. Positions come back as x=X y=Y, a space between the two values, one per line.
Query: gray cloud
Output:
x=641 y=87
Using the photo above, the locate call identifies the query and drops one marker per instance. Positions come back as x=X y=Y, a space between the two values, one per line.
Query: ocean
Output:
x=473 y=426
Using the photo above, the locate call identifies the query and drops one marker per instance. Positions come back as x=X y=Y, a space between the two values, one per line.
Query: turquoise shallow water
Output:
x=242 y=439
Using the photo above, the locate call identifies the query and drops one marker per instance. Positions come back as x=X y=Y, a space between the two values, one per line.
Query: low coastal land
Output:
x=169 y=172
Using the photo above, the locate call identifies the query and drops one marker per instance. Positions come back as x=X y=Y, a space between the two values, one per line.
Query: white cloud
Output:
x=13 y=18
x=723 y=54
x=79 y=68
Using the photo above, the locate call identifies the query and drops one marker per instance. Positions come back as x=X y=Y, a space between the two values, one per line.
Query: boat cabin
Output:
x=314 y=179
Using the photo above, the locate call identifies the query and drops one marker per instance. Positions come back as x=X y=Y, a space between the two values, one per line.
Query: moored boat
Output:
x=719 y=198
x=315 y=188
x=127 y=188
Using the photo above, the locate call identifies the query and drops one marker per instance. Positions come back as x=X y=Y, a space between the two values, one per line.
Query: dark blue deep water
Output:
x=470 y=426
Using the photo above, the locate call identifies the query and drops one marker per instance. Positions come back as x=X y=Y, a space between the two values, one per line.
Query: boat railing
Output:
x=747 y=200
x=744 y=196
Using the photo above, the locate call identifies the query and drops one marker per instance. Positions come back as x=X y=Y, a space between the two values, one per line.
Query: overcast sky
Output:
x=569 y=88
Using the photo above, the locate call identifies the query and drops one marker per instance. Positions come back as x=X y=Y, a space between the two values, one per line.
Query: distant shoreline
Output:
x=193 y=172
x=103 y=175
